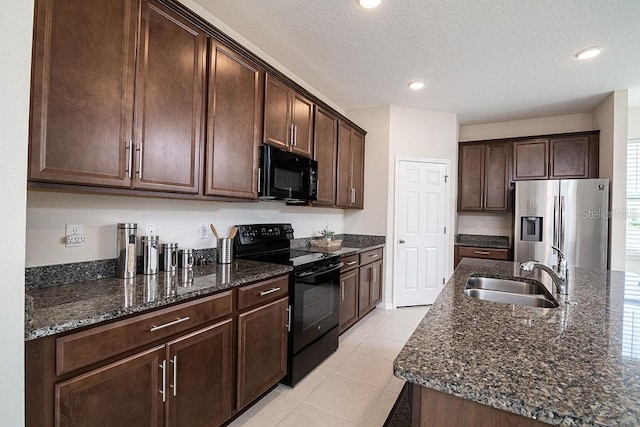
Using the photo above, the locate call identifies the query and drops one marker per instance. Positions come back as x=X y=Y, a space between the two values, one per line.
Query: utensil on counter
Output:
x=224 y=250
x=233 y=232
x=215 y=232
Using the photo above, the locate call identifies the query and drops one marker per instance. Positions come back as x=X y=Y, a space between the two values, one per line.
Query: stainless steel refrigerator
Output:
x=572 y=214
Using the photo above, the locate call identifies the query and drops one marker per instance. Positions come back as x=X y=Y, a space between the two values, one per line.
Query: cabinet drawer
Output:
x=263 y=292
x=488 y=253
x=349 y=262
x=370 y=256
x=93 y=345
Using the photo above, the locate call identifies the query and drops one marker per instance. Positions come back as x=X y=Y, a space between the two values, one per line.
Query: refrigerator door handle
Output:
x=562 y=223
x=556 y=219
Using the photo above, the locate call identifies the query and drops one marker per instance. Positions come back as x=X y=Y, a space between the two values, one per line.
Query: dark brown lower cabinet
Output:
x=190 y=379
x=124 y=393
x=348 y=299
x=370 y=287
x=149 y=370
x=200 y=377
x=262 y=349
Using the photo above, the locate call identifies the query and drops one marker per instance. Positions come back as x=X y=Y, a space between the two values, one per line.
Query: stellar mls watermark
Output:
x=600 y=213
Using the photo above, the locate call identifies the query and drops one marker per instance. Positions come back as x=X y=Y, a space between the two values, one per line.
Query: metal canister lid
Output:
x=152 y=239
x=169 y=245
x=127 y=225
x=187 y=251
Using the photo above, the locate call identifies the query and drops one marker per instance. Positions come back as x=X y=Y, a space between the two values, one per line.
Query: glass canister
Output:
x=127 y=250
x=170 y=256
x=150 y=254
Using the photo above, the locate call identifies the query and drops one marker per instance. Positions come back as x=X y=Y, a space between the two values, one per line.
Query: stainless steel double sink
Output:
x=512 y=290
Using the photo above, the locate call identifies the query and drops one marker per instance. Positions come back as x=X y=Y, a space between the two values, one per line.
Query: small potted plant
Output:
x=327 y=240
x=327 y=234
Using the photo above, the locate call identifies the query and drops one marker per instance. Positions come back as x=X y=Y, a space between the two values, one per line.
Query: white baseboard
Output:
x=386 y=306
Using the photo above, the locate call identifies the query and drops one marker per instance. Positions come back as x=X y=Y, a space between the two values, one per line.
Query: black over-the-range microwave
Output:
x=287 y=176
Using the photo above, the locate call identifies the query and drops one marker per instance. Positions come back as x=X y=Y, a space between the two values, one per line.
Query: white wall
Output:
x=373 y=219
x=491 y=224
x=634 y=122
x=176 y=220
x=611 y=117
x=539 y=126
x=15 y=50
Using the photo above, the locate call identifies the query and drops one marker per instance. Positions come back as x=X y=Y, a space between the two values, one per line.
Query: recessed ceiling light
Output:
x=590 y=52
x=416 y=85
x=369 y=4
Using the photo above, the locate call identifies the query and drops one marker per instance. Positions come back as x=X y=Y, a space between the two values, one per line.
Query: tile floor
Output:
x=353 y=387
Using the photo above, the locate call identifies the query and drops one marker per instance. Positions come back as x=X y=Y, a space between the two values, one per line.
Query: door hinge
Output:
x=445 y=230
x=443 y=280
x=446 y=177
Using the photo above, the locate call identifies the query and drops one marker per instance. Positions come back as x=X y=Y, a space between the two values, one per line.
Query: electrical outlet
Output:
x=151 y=229
x=204 y=231
x=74 y=235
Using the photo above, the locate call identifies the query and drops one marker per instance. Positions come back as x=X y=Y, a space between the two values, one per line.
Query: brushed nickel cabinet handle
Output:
x=174 y=360
x=139 y=171
x=166 y=325
x=270 y=291
x=374 y=256
x=289 y=319
x=163 y=392
x=352 y=262
x=482 y=253
x=129 y=152
x=342 y=290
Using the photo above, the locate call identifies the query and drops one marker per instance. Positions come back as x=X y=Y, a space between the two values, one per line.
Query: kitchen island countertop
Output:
x=66 y=307
x=578 y=364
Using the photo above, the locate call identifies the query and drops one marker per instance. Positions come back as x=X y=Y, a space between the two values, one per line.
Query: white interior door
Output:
x=421 y=205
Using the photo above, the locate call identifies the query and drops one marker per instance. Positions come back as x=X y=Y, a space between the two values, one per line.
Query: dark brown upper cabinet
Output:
x=288 y=118
x=350 y=173
x=483 y=176
x=88 y=124
x=557 y=157
x=82 y=92
x=234 y=124
x=169 y=102
x=325 y=152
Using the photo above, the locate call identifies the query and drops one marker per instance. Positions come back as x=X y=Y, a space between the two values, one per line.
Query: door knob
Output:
x=401 y=241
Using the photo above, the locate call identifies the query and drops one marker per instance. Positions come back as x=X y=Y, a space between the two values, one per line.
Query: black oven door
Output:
x=316 y=302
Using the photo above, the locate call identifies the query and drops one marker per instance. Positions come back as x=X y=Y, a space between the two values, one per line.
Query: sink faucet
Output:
x=558 y=275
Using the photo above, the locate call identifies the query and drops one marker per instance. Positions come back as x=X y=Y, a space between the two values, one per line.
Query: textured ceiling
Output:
x=485 y=60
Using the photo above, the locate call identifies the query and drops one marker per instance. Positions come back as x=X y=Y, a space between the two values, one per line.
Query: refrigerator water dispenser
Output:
x=531 y=228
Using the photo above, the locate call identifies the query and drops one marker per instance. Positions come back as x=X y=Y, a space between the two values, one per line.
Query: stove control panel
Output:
x=260 y=233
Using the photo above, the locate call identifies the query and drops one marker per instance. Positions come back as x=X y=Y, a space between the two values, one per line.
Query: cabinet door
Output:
x=348 y=299
x=200 y=377
x=277 y=131
x=364 y=289
x=82 y=94
x=569 y=157
x=471 y=177
x=343 y=178
x=169 y=101
x=234 y=124
x=262 y=350
x=375 y=292
x=325 y=149
x=496 y=176
x=357 y=170
x=302 y=120
x=530 y=159
x=125 y=393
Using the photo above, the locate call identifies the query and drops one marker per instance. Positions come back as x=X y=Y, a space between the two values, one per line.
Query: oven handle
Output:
x=327 y=269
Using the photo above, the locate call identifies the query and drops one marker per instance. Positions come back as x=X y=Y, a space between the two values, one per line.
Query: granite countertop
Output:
x=353 y=246
x=575 y=365
x=481 y=241
x=66 y=307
